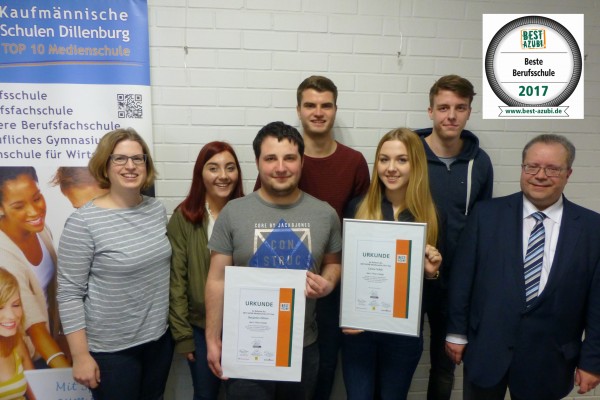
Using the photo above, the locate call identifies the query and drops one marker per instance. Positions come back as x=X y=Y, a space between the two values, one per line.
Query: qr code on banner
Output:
x=129 y=105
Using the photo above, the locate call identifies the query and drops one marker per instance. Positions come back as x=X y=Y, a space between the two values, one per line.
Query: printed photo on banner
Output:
x=70 y=71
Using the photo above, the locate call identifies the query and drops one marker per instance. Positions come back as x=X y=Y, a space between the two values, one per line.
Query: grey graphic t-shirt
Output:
x=264 y=235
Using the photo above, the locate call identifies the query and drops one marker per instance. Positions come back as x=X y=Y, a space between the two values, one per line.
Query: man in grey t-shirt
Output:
x=277 y=226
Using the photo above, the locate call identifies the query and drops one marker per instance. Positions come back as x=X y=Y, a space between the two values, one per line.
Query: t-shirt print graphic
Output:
x=282 y=247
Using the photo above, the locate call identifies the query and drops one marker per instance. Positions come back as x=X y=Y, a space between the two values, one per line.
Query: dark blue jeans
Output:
x=246 y=389
x=382 y=360
x=137 y=373
x=441 y=374
x=206 y=384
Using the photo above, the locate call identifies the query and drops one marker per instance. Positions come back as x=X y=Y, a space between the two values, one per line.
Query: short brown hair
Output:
x=318 y=83
x=280 y=131
x=454 y=83
x=69 y=177
x=98 y=164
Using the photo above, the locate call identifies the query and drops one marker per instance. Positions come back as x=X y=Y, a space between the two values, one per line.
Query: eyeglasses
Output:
x=120 y=159
x=549 y=171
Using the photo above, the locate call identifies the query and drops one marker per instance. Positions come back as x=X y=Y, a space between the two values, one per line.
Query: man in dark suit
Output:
x=525 y=287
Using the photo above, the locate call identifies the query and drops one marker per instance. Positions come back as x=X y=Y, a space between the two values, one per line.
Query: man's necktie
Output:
x=534 y=258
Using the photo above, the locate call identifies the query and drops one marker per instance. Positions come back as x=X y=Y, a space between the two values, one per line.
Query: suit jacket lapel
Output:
x=570 y=229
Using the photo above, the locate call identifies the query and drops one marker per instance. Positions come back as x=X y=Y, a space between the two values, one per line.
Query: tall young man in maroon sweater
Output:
x=334 y=173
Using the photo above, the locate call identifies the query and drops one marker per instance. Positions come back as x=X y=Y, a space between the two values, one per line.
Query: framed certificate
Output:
x=263 y=323
x=382 y=276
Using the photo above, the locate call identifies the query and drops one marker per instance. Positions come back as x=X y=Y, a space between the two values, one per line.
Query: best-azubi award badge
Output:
x=533 y=66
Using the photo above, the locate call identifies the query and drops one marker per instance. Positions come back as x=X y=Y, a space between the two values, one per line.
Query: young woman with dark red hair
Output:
x=216 y=180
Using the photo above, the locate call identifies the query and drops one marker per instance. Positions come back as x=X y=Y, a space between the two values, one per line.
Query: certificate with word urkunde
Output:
x=382 y=276
x=263 y=323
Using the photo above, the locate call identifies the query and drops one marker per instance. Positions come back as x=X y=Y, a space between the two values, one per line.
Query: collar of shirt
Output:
x=211 y=221
x=554 y=212
x=388 y=212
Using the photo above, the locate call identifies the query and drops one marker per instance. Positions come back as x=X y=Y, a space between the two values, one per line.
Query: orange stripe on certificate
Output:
x=401 y=278
x=284 y=327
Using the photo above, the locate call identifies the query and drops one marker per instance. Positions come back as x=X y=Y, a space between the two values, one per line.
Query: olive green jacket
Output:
x=189 y=269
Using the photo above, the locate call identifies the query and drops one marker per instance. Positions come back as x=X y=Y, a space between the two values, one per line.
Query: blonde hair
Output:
x=8 y=287
x=98 y=164
x=419 y=201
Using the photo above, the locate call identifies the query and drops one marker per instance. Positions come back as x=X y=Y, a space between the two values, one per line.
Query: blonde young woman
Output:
x=14 y=356
x=113 y=277
x=27 y=252
x=399 y=191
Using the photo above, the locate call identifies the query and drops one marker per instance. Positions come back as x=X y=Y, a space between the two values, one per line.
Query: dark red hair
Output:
x=193 y=207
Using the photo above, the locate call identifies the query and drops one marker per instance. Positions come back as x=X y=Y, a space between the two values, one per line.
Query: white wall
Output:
x=245 y=58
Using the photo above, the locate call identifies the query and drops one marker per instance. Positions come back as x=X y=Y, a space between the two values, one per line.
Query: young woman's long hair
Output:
x=419 y=201
x=8 y=287
x=193 y=206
